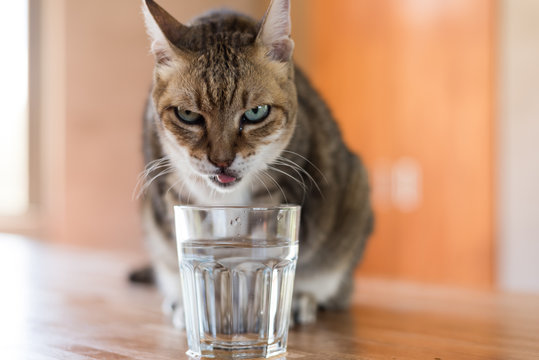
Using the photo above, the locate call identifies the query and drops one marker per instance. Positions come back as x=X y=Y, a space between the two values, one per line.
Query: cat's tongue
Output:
x=225 y=179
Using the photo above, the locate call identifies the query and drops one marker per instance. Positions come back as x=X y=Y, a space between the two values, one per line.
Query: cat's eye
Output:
x=257 y=114
x=188 y=117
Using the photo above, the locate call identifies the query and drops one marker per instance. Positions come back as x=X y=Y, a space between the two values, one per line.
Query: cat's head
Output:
x=224 y=91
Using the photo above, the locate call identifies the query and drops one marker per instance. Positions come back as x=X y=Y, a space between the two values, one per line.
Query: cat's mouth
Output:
x=224 y=180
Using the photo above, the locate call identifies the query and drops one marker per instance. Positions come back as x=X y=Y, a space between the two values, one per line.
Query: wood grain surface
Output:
x=59 y=303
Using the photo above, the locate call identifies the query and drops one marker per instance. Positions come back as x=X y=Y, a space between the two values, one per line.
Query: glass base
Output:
x=221 y=350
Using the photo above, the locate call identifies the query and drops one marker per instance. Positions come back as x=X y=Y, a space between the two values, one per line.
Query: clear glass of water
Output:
x=237 y=267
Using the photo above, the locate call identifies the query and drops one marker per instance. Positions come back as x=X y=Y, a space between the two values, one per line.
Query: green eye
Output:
x=188 y=117
x=257 y=114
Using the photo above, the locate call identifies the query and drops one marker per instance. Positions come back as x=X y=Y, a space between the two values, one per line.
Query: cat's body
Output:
x=295 y=154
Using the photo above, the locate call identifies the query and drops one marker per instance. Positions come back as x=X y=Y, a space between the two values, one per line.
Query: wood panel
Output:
x=412 y=82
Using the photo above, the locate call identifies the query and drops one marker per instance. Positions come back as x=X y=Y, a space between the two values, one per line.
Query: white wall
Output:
x=518 y=137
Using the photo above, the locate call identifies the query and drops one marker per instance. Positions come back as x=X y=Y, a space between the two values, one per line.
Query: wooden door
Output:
x=411 y=84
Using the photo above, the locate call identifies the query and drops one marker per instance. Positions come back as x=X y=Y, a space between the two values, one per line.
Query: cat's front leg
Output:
x=304 y=309
x=169 y=283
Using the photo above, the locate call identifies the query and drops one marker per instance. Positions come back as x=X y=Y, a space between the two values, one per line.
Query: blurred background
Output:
x=439 y=97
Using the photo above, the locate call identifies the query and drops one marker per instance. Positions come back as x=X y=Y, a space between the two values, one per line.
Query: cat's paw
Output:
x=169 y=304
x=304 y=309
x=178 y=319
x=173 y=309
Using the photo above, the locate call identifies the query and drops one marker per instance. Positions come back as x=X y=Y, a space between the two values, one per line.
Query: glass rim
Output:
x=239 y=207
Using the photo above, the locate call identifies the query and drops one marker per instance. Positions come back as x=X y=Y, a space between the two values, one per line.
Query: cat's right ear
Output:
x=164 y=30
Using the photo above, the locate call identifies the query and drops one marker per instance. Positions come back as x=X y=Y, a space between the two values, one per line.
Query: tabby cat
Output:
x=231 y=120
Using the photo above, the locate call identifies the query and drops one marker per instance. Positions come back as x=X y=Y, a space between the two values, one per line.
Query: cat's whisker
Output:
x=181 y=190
x=141 y=189
x=154 y=165
x=294 y=168
x=303 y=171
x=165 y=170
x=276 y=183
x=144 y=174
x=263 y=183
x=189 y=197
x=196 y=178
x=308 y=161
x=302 y=184
x=282 y=163
x=173 y=185
x=190 y=191
x=309 y=176
x=212 y=194
x=147 y=184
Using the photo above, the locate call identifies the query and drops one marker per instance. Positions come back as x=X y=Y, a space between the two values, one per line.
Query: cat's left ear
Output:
x=274 y=32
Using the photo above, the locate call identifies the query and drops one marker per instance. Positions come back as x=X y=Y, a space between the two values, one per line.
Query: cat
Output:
x=232 y=121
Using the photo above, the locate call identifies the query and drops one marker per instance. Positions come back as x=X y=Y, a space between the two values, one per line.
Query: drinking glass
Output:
x=237 y=267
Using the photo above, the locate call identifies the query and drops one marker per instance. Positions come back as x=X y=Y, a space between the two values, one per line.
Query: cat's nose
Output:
x=222 y=163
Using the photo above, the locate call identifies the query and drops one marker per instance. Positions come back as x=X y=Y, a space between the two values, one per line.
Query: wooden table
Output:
x=59 y=303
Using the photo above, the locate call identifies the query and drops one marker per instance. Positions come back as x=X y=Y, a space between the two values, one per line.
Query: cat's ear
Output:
x=274 y=32
x=164 y=30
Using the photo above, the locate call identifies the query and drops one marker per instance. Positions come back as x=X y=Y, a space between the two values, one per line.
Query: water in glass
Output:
x=242 y=293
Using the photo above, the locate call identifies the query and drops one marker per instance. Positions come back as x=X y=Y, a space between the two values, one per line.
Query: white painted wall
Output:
x=518 y=137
